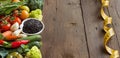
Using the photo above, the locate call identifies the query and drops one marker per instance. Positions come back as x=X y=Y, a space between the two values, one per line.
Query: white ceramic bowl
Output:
x=22 y=24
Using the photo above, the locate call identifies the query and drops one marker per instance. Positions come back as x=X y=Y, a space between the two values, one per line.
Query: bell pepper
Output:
x=19 y=43
x=1 y=42
x=14 y=44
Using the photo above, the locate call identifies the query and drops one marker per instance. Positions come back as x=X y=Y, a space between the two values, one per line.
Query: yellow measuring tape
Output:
x=109 y=30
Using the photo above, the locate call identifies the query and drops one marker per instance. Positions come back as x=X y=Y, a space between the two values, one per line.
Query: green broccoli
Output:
x=36 y=14
x=34 y=53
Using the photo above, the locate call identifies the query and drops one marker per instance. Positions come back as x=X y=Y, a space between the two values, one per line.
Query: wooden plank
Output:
x=94 y=26
x=64 y=35
x=114 y=11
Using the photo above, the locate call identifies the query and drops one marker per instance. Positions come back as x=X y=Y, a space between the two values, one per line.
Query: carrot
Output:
x=8 y=35
x=11 y=37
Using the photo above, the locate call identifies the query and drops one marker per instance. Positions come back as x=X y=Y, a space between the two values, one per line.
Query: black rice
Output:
x=32 y=26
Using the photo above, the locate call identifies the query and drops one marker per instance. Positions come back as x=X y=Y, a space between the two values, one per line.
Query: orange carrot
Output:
x=11 y=37
x=8 y=35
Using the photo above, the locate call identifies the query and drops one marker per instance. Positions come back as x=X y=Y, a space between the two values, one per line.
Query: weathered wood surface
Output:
x=74 y=29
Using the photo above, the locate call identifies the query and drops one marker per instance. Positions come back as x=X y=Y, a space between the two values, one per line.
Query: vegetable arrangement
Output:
x=14 y=42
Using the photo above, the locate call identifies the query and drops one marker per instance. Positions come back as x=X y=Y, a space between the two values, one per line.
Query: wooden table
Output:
x=74 y=29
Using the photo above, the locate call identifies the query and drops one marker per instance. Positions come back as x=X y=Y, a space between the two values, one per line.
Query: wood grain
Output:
x=74 y=29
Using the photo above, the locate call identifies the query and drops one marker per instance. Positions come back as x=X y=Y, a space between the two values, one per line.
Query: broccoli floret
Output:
x=36 y=14
x=34 y=53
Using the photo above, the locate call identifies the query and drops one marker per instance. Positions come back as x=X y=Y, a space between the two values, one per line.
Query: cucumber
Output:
x=32 y=38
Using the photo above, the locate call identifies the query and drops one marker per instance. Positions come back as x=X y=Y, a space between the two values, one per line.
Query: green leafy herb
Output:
x=23 y=49
x=35 y=4
x=5 y=2
x=8 y=8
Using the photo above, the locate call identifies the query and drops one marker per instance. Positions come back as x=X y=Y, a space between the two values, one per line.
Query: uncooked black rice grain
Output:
x=32 y=26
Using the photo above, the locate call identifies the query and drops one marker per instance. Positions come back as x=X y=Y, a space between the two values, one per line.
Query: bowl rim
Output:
x=22 y=24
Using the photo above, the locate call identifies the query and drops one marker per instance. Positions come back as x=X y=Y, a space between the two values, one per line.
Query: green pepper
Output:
x=35 y=43
x=14 y=55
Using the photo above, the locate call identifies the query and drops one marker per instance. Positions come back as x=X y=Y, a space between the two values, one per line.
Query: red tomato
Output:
x=5 y=27
x=1 y=16
x=0 y=29
x=0 y=22
x=7 y=18
x=16 y=19
x=15 y=13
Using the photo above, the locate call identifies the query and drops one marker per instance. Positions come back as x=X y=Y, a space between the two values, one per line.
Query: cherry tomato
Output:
x=7 y=18
x=24 y=14
x=1 y=16
x=5 y=27
x=0 y=29
x=15 y=13
x=16 y=19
